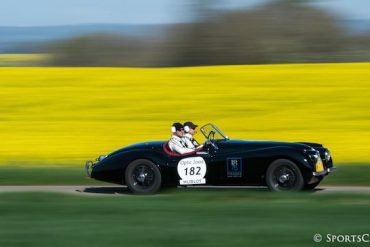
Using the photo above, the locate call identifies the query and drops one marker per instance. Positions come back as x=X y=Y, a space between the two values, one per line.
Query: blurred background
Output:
x=168 y=33
x=78 y=79
x=71 y=90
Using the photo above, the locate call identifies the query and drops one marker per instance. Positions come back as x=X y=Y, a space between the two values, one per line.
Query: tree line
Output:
x=279 y=32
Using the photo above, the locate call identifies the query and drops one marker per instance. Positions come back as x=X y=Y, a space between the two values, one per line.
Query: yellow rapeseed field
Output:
x=53 y=116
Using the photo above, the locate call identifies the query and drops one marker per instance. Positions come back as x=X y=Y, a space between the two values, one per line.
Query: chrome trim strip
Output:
x=319 y=173
x=332 y=169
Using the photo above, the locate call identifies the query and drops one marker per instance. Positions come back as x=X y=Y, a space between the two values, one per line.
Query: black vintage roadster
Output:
x=282 y=166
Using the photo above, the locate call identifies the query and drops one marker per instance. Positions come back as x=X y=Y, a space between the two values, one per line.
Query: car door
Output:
x=195 y=168
x=228 y=168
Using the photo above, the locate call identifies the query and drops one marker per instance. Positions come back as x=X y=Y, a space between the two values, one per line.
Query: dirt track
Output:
x=121 y=190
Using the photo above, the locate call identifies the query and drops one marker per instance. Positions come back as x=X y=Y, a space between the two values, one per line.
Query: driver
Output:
x=190 y=131
x=177 y=143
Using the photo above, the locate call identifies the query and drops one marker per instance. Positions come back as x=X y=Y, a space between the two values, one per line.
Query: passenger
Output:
x=190 y=131
x=177 y=143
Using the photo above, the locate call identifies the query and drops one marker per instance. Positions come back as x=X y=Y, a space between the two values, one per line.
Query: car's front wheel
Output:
x=284 y=175
x=143 y=176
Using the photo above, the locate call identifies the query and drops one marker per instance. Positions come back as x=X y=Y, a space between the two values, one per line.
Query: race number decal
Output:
x=192 y=170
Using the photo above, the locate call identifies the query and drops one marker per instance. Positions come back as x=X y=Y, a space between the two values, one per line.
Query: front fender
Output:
x=260 y=160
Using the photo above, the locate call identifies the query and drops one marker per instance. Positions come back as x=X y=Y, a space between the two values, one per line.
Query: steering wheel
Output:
x=210 y=140
x=211 y=133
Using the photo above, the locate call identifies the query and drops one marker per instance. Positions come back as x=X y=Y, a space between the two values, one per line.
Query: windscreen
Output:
x=211 y=132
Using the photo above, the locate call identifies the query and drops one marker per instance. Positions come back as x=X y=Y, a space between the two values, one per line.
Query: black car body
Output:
x=145 y=167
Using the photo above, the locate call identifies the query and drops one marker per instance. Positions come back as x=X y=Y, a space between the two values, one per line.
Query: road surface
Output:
x=110 y=190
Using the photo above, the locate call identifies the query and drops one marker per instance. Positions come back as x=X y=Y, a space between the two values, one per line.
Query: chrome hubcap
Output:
x=141 y=177
x=283 y=178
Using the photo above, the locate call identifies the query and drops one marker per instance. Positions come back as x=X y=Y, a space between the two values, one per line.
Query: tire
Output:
x=311 y=186
x=143 y=177
x=284 y=175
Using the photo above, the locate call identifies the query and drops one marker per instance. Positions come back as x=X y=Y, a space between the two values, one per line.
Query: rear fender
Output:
x=120 y=161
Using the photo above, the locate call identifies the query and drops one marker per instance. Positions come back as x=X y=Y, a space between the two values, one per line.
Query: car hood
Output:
x=252 y=145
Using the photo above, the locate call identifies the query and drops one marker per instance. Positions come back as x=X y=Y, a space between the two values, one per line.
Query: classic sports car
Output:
x=282 y=166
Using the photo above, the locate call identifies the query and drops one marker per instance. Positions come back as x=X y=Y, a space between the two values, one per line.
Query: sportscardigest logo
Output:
x=342 y=238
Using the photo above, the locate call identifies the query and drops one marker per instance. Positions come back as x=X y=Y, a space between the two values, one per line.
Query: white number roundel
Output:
x=192 y=170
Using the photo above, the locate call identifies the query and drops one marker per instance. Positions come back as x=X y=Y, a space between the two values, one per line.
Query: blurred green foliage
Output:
x=181 y=218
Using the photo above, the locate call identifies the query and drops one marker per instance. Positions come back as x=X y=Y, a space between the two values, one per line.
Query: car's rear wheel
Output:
x=143 y=176
x=284 y=175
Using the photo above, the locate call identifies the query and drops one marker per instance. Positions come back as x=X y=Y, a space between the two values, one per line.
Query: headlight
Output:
x=327 y=155
x=101 y=157
x=314 y=155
